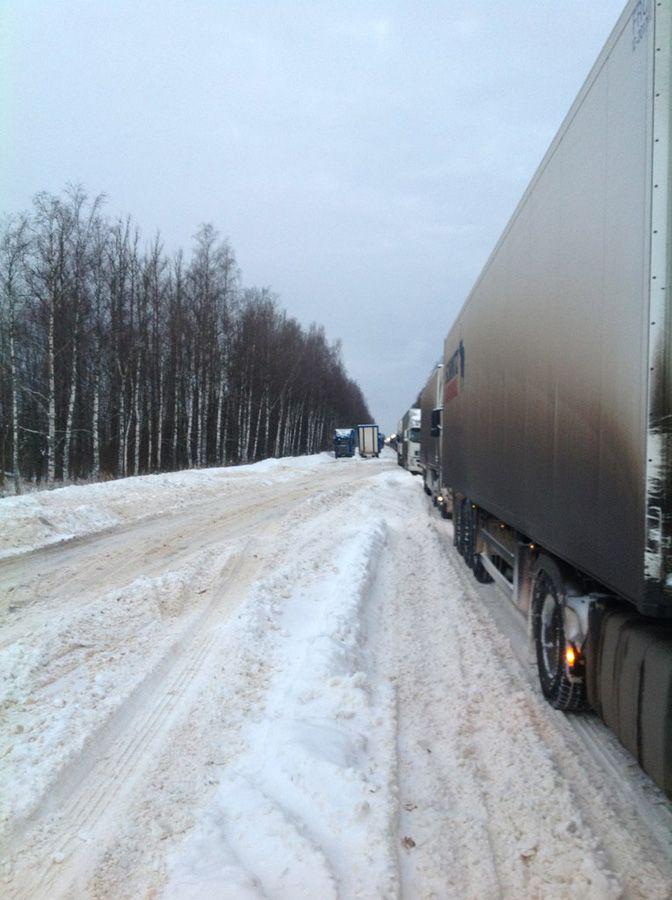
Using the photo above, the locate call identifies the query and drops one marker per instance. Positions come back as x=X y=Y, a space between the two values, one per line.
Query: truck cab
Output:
x=345 y=441
x=410 y=454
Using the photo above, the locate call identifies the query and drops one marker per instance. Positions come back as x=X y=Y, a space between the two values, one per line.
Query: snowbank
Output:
x=305 y=810
x=69 y=673
x=48 y=517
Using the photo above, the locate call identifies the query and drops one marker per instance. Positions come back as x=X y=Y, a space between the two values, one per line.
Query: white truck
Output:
x=556 y=432
x=431 y=407
x=410 y=430
x=368 y=440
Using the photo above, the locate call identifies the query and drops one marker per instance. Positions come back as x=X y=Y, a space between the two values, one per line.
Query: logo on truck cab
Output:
x=454 y=374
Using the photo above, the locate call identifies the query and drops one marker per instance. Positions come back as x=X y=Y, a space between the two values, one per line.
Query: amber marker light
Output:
x=570 y=655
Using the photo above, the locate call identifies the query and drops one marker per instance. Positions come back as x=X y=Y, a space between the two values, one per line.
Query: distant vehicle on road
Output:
x=345 y=442
x=408 y=441
x=368 y=440
x=431 y=408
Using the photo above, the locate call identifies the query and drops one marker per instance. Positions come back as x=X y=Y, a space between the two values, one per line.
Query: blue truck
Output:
x=345 y=442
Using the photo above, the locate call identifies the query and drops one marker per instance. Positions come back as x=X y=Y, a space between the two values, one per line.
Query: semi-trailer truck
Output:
x=410 y=447
x=556 y=432
x=367 y=440
x=345 y=441
x=431 y=407
x=399 y=443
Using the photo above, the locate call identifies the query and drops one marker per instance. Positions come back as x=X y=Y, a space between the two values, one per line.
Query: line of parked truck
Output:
x=407 y=441
x=545 y=429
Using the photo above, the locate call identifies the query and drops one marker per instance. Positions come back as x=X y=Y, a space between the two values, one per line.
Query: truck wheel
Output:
x=472 y=556
x=548 y=630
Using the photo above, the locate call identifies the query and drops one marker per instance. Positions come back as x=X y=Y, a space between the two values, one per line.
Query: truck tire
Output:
x=466 y=524
x=548 y=631
x=471 y=555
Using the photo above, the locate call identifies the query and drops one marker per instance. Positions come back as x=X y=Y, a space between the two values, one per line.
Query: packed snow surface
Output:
x=277 y=681
x=47 y=517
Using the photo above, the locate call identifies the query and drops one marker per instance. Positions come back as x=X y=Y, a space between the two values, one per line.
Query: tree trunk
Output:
x=138 y=422
x=176 y=415
x=220 y=407
x=196 y=416
x=71 y=402
x=287 y=436
x=203 y=423
x=256 y=431
x=159 y=439
x=95 y=423
x=51 y=399
x=127 y=432
x=15 y=403
x=190 y=418
x=240 y=425
x=225 y=431
x=150 y=412
x=121 y=450
x=278 y=432
x=267 y=421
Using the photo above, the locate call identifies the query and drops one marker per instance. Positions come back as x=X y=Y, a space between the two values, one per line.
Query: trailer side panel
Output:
x=546 y=368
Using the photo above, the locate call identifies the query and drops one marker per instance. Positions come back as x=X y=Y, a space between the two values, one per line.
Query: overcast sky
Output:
x=362 y=157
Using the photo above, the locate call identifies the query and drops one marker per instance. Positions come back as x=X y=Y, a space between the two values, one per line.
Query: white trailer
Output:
x=368 y=440
x=557 y=399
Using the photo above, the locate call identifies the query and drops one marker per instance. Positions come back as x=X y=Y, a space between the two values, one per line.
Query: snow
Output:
x=314 y=756
x=276 y=681
x=39 y=519
x=66 y=676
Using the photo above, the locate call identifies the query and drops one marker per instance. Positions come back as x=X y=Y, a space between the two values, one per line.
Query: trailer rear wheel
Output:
x=548 y=630
x=466 y=525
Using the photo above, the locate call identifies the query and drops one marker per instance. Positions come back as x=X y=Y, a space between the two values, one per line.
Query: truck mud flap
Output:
x=629 y=684
x=656 y=713
x=602 y=652
x=635 y=640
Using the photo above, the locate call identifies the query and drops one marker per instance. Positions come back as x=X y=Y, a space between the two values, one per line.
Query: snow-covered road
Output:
x=278 y=681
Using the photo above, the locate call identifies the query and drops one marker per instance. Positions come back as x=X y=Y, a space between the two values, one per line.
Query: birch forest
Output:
x=117 y=359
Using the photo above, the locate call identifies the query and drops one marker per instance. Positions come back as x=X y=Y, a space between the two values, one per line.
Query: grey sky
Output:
x=362 y=157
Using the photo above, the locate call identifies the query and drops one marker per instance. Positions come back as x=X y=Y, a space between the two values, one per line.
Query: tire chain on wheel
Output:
x=468 y=518
x=559 y=690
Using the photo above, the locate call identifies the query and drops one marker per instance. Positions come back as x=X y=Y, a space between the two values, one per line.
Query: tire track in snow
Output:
x=590 y=753
x=302 y=806
x=94 y=789
x=629 y=852
x=492 y=782
x=163 y=764
x=452 y=851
